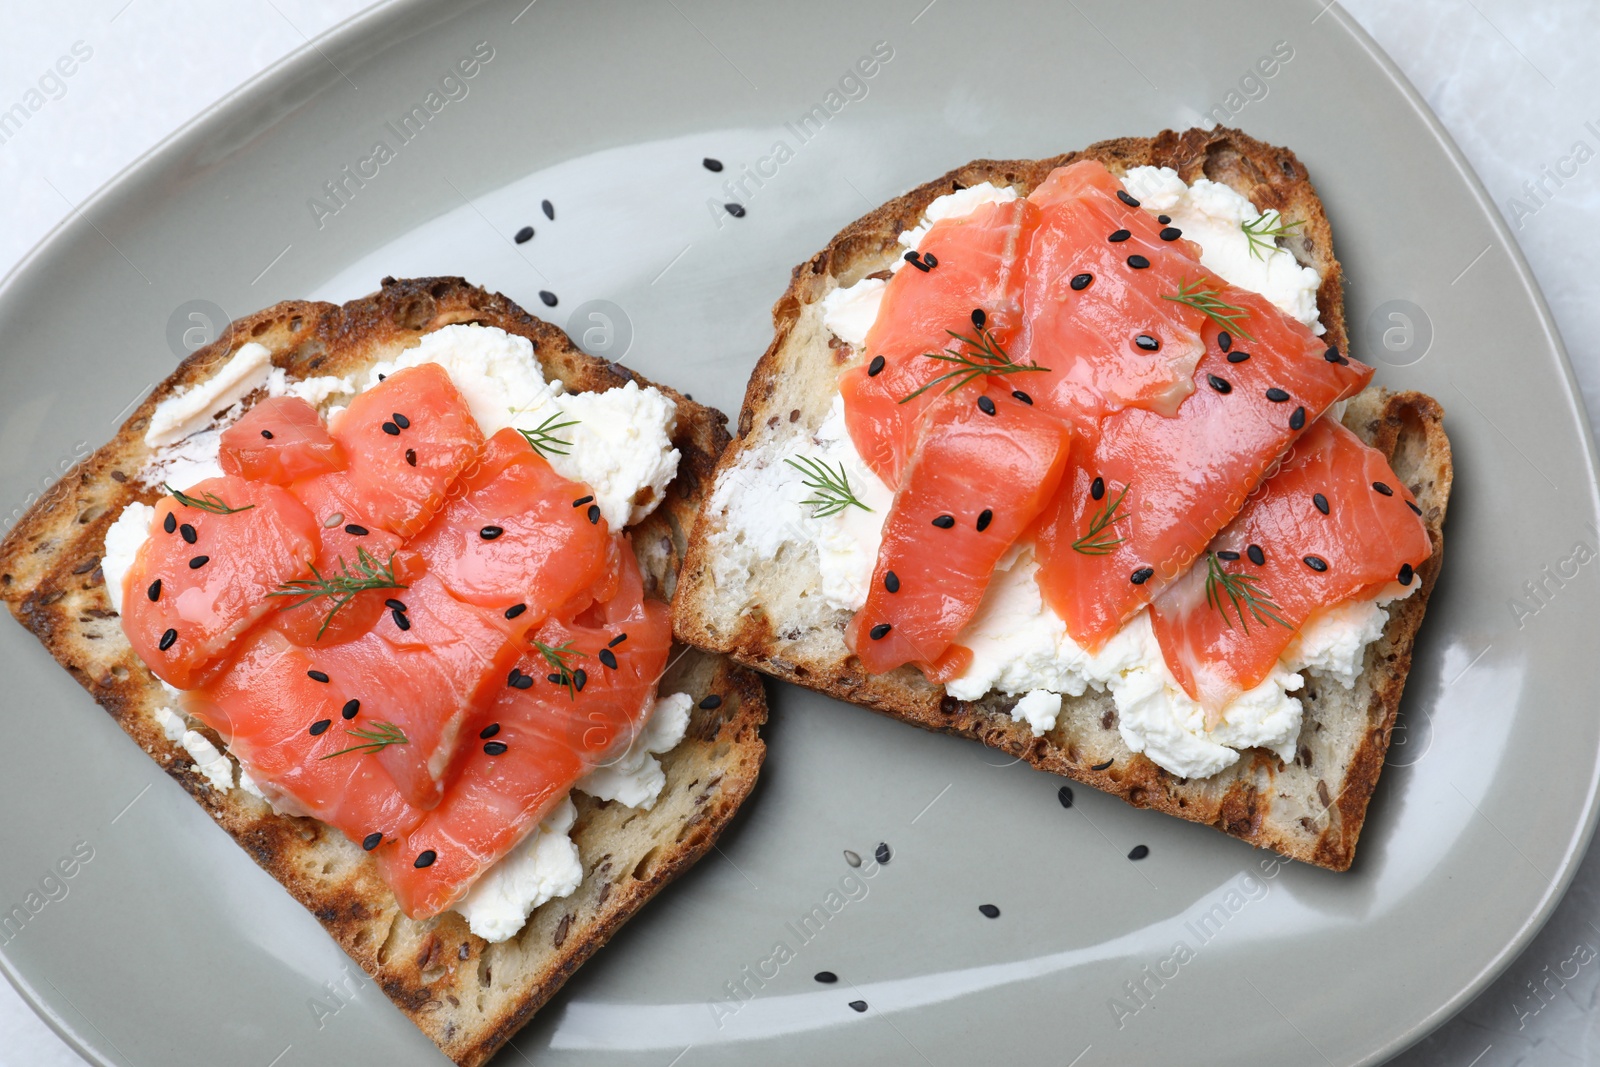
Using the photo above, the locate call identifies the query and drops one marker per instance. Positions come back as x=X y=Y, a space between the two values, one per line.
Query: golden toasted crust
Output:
x=468 y=996
x=1310 y=808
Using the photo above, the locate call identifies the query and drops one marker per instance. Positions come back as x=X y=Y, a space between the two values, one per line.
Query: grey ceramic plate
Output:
x=168 y=946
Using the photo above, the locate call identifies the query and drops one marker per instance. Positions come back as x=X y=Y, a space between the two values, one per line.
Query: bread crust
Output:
x=469 y=996
x=1310 y=808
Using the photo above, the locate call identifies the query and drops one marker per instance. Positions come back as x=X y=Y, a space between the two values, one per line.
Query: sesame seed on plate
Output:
x=1139 y=852
x=524 y=235
x=736 y=210
x=548 y=297
x=826 y=977
x=989 y=911
x=882 y=853
x=549 y=209
x=1064 y=794
x=713 y=165
x=858 y=1005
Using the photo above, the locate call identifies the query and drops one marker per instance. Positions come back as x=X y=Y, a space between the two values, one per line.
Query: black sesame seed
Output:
x=858 y=1005
x=1163 y=219
x=1413 y=507
x=915 y=260
x=1316 y=563
x=199 y=561
x=713 y=165
x=516 y=609
x=355 y=531
x=1138 y=262
x=555 y=679
x=826 y=977
x=351 y=708
x=1276 y=395
x=593 y=514
x=986 y=405
x=1064 y=794
x=985 y=517
x=1142 y=575
x=1238 y=357
x=891 y=582
x=944 y=522
x=1227 y=555
x=1118 y=236
x=1024 y=397
x=930 y=260
x=267 y=434
x=736 y=210
x=167 y=638
x=189 y=534
x=1171 y=233
x=488 y=731
x=391 y=429
x=1224 y=340
x=608 y=658
x=524 y=682
x=1097 y=489
x=154 y=592
x=882 y=853
x=1139 y=852
x=1321 y=502
x=400 y=619
x=317 y=676
x=1258 y=557
x=548 y=297
x=425 y=859
x=1146 y=342
x=411 y=456
x=1122 y=194
x=400 y=420
x=524 y=235
x=580 y=678
x=397 y=605
x=711 y=702
x=582 y=500
x=1382 y=488
x=1080 y=282
x=494 y=748
x=617 y=640
x=1406 y=574
x=169 y=523
x=320 y=727
x=549 y=209
x=880 y=631
x=1332 y=355
x=875 y=367
x=1221 y=385
x=989 y=911
x=489 y=533
x=372 y=841
x=1297 y=421
x=516 y=673
x=979 y=318
x=1102 y=766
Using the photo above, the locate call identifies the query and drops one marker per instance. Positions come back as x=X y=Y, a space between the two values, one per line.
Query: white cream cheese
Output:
x=635 y=778
x=1213 y=216
x=213 y=765
x=123 y=539
x=194 y=408
x=850 y=311
x=314 y=391
x=1039 y=709
x=954 y=205
x=545 y=866
x=173 y=725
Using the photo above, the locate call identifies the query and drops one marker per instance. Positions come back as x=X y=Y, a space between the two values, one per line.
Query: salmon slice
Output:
x=1185 y=476
x=406 y=439
x=1333 y=524
x=978 y=259
x=286 y=727
x=207 y=572
x=279 y=440
x=1097 y=270
x=538 y=738
x=516 y=532
x=985 y=467
x=425 y=668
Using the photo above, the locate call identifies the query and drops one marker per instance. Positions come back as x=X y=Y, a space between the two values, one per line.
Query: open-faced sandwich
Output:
x=384 y=587
x=1072 y=456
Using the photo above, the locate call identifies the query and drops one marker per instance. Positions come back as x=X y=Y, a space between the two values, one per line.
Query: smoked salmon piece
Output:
x=279 y=440
x=1333 y=524
x=1185 y=476
x=976 y=266
x=523 y=753
x=207 y=572
x=984 y=468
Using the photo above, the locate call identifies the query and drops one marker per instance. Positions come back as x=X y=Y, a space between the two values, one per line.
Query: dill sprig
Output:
x=1264 y=231
x=983 y=355
x=209 y=502
x=543 y=436
x=562 y=672
x=1210 y=304
x=831 y=489
x=342 y=587
x=375 y=740
x=1243 y=591
x=1102 y=536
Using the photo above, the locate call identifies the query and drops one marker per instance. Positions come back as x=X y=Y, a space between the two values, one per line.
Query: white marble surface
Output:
x=1514 y=82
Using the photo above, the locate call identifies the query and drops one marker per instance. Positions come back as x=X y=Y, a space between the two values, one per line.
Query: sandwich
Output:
x=1073 y=457
x=384 y=587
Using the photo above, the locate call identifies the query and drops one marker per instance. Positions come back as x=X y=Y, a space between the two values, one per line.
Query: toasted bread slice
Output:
x=1311 y=808
x=469 y=996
